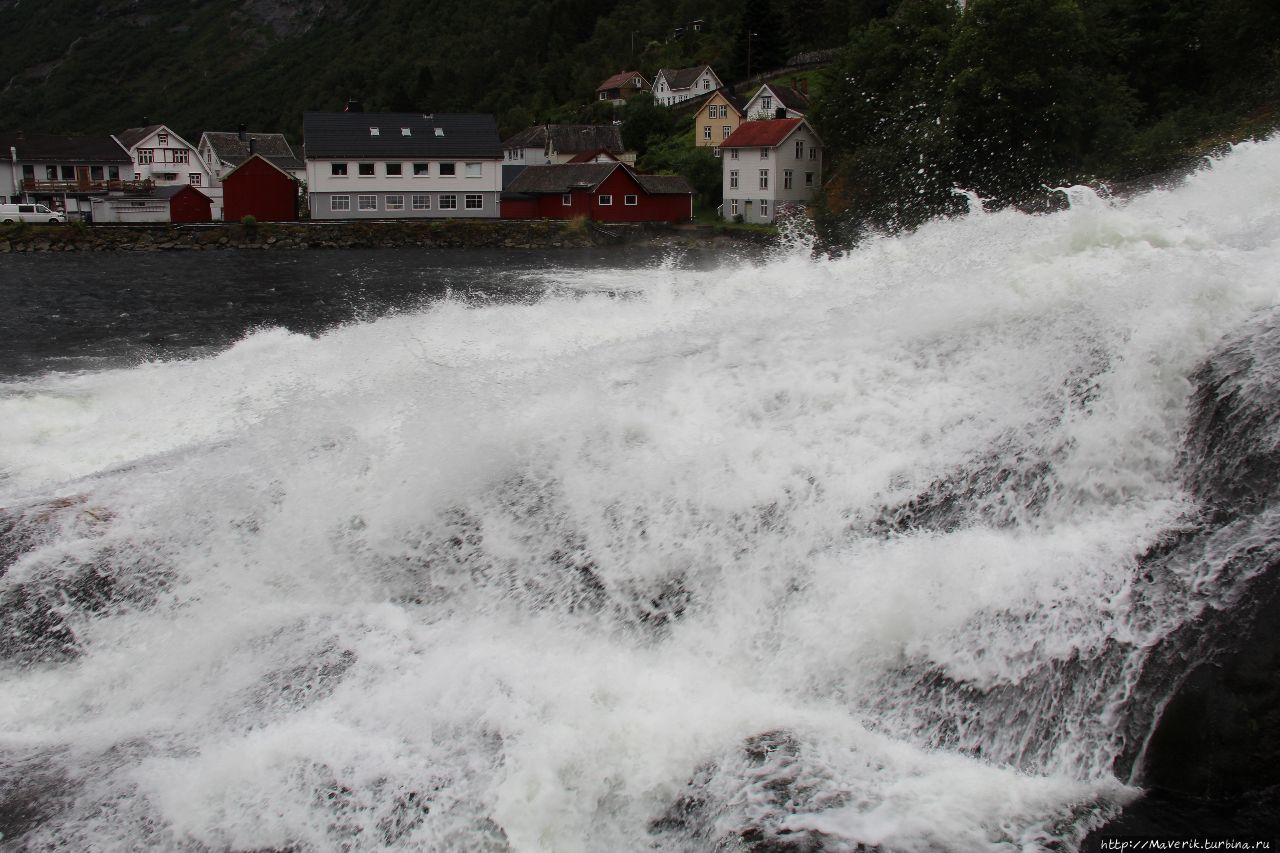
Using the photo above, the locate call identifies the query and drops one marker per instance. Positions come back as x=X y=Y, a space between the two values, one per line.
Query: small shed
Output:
x=181 y=203
x=261 y=189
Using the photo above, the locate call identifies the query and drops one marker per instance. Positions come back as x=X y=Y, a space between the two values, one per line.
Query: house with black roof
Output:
x=63 y=172
x=402 y=165
x=542 y=144
x=673 y=85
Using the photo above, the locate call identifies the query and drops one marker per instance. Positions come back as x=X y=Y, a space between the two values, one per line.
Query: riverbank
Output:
x=431 y=234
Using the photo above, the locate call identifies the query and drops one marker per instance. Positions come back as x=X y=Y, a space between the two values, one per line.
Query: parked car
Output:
x=30 y=213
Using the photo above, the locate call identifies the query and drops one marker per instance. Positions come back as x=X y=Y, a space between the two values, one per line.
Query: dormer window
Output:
x=374 y=131
x=439 y=131
x=404 y=131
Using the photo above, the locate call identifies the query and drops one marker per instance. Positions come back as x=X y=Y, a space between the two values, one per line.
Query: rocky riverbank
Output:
x=441 y=234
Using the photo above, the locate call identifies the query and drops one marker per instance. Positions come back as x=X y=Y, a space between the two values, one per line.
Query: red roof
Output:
x=757 y=134
x=622 y=78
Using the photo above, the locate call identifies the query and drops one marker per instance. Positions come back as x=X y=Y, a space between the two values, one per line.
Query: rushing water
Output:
x=802 y=552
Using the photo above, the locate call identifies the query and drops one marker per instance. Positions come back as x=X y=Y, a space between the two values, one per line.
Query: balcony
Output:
x=28 y=185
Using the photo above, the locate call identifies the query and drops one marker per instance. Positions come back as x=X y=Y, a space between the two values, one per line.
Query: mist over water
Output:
x=842 y=550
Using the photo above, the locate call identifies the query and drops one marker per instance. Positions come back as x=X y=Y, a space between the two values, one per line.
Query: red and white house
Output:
x=602 y=192
x=166 y=159
x=261 y=189
x=767 y=165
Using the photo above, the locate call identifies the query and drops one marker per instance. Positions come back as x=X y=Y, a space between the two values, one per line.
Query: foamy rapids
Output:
x=837 y=550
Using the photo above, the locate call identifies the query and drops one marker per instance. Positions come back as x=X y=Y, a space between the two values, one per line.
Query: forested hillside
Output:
x=102 y=65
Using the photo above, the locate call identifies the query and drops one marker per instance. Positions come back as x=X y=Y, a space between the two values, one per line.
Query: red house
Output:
x=603 y=192
x=261 y=189
x=186 y=203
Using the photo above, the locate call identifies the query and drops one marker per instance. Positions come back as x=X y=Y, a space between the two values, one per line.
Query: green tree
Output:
x=645 y=123
x=761 y=41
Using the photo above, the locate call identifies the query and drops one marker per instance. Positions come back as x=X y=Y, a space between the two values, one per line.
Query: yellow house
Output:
x=718 y=117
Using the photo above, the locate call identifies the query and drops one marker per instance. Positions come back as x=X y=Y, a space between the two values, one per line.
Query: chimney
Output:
x=804 y=86
x=242 y=133
x=253 y=145
x=354 y=107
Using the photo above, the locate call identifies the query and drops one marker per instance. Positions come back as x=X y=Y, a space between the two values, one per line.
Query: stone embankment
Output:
x=433 y=234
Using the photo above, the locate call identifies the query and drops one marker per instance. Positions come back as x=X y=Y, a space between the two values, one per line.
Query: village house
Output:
x=601 y=192
x=622 y=86
x=769 y=164
x=673 y=85
x=402 y=165
x=774 y=100
x=63 y=173
x=545 y=144
x=224 y=151
x=718 y=117
x=163 y=157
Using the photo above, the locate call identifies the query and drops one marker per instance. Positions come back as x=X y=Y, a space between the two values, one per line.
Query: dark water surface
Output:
x=77 y=312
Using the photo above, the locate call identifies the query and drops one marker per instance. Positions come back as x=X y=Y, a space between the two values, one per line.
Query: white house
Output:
x=774 y=100
x=402 y=165
x=768 y=164
x=63 y=172
x=673 y=85
x=166 y=159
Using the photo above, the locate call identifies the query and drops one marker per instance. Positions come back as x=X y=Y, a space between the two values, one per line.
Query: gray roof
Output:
x=560 y=178
x=682 y=78
x=350 y=135
x=46 y=148
x=133 y=135
x=792 y=99
x=228 y=148
x=563 y=177
x=569 y=138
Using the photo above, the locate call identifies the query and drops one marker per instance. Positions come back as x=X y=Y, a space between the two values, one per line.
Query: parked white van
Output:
x=30 y=213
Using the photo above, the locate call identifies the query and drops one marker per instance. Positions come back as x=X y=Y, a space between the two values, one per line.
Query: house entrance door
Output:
x=82 y=178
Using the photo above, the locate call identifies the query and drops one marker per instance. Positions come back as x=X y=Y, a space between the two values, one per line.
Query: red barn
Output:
x=261 y=189
x=603 y=192
x=186 y=203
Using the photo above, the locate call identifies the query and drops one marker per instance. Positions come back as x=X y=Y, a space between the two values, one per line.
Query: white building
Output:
x=673 y=85
x=768 y=164
x=402 y=165
x=166 y=159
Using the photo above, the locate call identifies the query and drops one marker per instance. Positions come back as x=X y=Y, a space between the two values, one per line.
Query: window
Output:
x=422 y=202
x=365 y=170
x=339 y=202
x=404 y=131
x=162 y=138
x=474 y=201
x=68 y=173
x=95 y=173
x=144 y=156
x=448 y=170
x=766 y=103
x=421 y=170
x=733 y=206
x=566 y=200
x=28 y=172
x=51 y=173
x=606 y=200
x=733 y=179
x=706 y=132
x=604 y=96
x=786 y=179
x=631 y=200
x=799 y=149
x=373 y=131
x=113 y=173
x=448 y=202
x=194 y=179
x=764 y=179
x=733 y=153
x=395 y=170
x=181 y=155
x=813 y=153
x=706 y=84
x=475 y=170
x=338 y=170
x=808 y=179
x=367 y=202
x=764 y=153
x=395 y=202
x=764 y=208
x=725 y=131
x=137 y=176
